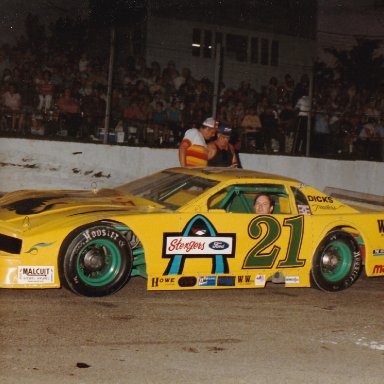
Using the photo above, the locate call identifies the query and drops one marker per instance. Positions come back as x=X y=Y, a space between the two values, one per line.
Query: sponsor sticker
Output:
x=161 y=281
x=378 y=269
x=35 y=275
x=320 y=199
x=292 y=280
x=244 y=279
x=207 y=281
x=226 y=281
x=193 y=245
x=303 y=210
x=260 y=280
x=378 y=252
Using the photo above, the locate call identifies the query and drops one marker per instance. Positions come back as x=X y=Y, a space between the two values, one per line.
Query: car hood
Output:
x=17 y=205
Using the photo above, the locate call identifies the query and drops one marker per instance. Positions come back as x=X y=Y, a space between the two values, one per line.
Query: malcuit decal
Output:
x=378 y=252
x=378 y=270
x=35 y=248
x=206 y=281
x=35 y=274
x=199 y=239
x=226 y=281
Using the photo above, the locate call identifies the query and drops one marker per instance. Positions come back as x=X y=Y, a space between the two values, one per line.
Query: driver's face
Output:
x=263 y=205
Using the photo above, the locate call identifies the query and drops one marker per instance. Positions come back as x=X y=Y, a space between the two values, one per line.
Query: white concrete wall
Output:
x=40 y=164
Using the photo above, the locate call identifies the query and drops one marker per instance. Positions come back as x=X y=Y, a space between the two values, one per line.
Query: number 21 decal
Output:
x=268 y=230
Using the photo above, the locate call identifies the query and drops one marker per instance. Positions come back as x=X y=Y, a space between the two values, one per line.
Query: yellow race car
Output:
x=187 y=228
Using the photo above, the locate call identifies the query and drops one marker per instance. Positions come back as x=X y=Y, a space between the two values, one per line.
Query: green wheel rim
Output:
x=98 y=262
x=336 y=261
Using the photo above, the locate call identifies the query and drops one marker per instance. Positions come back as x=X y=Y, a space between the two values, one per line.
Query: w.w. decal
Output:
x=380 y=223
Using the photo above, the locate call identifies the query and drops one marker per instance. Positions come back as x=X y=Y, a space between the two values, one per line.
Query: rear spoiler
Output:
x=374 y=201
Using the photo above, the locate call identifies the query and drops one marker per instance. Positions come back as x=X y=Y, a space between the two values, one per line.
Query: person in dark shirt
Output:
x=220 y=152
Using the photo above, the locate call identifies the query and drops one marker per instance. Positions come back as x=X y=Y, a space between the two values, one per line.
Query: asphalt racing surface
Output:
x=270 y=335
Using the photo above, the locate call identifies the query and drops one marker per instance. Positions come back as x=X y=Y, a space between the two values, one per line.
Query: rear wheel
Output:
x=95 y=260
x=337 y=262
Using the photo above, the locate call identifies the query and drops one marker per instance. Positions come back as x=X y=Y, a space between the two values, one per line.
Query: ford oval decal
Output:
x=218 y=245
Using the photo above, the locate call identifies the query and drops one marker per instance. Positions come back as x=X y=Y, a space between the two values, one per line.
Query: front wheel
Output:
x=95 y=260
x=337 y=262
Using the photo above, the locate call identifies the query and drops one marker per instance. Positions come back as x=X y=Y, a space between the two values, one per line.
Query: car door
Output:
x=234 y=240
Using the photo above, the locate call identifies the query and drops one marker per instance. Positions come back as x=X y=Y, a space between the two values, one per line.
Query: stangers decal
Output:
x=199 y=239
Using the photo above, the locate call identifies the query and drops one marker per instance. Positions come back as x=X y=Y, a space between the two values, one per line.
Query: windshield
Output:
x=170 y=189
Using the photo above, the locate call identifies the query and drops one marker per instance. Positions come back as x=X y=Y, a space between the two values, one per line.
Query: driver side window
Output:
x=240 y=198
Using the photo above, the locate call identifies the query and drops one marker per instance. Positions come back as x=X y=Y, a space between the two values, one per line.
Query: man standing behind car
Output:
x=220 y=152
x=193 y=150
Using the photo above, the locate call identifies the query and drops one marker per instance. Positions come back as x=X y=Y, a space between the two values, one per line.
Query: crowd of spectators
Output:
x=52 y=94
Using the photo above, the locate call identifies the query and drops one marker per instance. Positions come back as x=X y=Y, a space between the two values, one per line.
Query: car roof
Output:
x=227 y=173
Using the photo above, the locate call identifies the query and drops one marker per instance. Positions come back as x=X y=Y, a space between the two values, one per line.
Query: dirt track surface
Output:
x=271 y=335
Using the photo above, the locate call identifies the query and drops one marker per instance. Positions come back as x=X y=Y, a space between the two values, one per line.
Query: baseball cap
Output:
x=210 y=122
x=225 y=129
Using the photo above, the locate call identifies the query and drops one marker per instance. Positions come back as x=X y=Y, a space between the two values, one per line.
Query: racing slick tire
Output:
x=337 y=262
x=95 y=260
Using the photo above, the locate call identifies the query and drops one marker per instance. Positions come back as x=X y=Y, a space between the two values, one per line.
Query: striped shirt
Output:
x=197 y=152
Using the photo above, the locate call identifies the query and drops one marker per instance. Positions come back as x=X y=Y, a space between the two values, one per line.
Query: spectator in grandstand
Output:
x=174 y=120
x=368 y=141
x=287 y=125
x=45 y=91
x=11 y=104
x=270 y=123
x=193 y=150
x=159 y=124
x=300 y=139
x=252 y=135
x=321 y=133
x=93 y=108
x=83 y=63
x=69 y=112
x=301 y=89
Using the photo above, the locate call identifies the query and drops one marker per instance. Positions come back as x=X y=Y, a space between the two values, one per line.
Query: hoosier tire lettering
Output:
x=95 y=260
